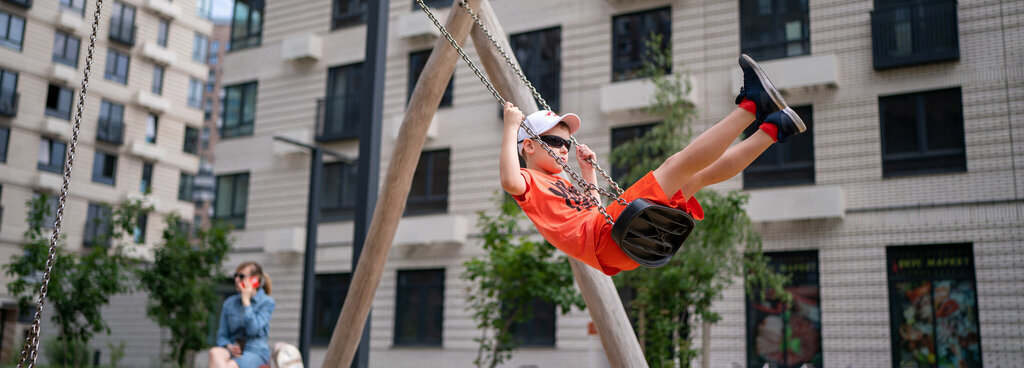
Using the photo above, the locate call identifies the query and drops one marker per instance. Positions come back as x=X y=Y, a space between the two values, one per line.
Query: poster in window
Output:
x=934 y=307
x=787 y=336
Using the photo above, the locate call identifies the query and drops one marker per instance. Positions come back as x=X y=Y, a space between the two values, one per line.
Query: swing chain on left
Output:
x=30 y=352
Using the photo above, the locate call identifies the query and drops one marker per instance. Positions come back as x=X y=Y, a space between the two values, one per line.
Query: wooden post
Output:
x=424 y=102
x=603 y=303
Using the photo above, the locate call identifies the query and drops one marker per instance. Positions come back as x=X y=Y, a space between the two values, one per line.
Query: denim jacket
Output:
x=250 y=324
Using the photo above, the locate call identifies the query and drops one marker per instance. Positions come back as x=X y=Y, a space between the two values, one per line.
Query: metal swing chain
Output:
x=536 y=94
x=30 y=352
x=497 y=96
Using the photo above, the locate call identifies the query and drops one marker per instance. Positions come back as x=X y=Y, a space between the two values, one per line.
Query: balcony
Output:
x=27 y=4
x=905 y=35
x=164 y=7
x=796 y=203
x=152 y=102
x=110 y=131
x=122 y=32
x=159 y=55
x=8 y=103
x=337 y=118
x=146 y=150
x=307 y=47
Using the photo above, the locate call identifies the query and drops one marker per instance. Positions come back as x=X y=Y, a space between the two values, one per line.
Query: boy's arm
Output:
x=583 y=153
x=511 y=180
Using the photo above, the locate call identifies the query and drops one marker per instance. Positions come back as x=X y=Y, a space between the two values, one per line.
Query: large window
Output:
x=348 y=13
x=429 y=191
x=771 y=29
x=58 y=102
x=117 y=66
x=417 y=61
x=77 y=6
x=922 y=133
x=911 y=32
x=621 y=136
x=338 y=192
x=539 y=329
x=97 y=225
x=195 y=93
x=630 y=33
x=232 y=199
x=65 y=49
x=163 y=28
x=540 y=57
x=51 y=155
x=239 y=112
x=420 y=307
x=331 y=289
x=246 y=24
x=157 y=88
x=12 y=30
x=790 y=163
x=5 y=136
x=787 y=336
x=122 y=23
x=104 y=168
x=146 y=184
x=8 y=92
x=200 y=46
x=933 y=306
x=343 y=105
x=186 y=185
x=191 y=140
x=110 y=127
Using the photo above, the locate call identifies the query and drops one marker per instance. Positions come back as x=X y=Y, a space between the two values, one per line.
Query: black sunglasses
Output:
x=555 y=141
x=241 y=276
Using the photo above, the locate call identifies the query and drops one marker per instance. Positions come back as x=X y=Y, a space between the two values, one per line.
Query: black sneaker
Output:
x=788 y=122
x=757 y=88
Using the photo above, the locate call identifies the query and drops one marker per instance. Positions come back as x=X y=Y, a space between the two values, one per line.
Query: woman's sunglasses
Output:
x=555 y=141
x=240 y=276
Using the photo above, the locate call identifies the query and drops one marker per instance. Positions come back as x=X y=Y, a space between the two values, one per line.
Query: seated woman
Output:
x=245 y=321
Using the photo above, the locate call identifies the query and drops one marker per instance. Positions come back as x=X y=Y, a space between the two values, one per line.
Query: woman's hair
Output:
x=257 y=270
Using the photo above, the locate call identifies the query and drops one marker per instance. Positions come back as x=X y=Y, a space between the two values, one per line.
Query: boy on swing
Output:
x=566 y=217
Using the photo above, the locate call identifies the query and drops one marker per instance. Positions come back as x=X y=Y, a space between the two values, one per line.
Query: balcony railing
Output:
x=337 y=118
x=9 y=104
x=914 y=34
x=122 y=32
x=27 y=4
x=110 y=131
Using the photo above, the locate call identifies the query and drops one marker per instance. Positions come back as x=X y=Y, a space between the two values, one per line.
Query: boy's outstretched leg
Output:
x=757 y=99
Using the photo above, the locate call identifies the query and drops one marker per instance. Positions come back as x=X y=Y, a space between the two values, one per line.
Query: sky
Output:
x=222 y=9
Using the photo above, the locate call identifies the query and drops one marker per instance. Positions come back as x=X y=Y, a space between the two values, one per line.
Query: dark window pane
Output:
x=630 y=33
x=329 y=297
x=58 y=102
x=338 y=200
x=429 y=190
x=5 y=133
x=239 y=112
x=348 y=13
x=539 y=330
x=419 y=308
x=232 y=199
x=417 y=61
x=343 y=106
x=540 y=57
x=771 y=29
x=246 y=24
x=104 y=168
x=790 y=163
x=922 y=133
x=621 y=136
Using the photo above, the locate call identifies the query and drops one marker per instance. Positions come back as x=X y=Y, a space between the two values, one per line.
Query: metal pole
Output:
x=309 y=265
x=369 y=146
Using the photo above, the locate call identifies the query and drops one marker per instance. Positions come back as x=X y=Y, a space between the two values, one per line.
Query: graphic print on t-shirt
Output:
x=573 y=198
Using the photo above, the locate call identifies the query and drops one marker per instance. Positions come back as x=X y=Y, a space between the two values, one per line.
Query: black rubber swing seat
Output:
x=650 y=233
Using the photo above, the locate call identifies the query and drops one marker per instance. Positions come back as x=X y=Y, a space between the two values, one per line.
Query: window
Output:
x=933 y=306
x=329 y=297
x=922 y=133
x=246 y=24
x=5 y=135
x=420 y=307
x=911 y=32
x=110 y=128
x=58 y=102
x=97 y=225
x=200 y=45
x=152 y=124
x=51 y=155
x=104 y=168
x=343 y=104
x=772 y=29
x=191 y=140
x=768 y=321
x=338 y=192
x=158 y=80
x=204 y=138
x=117 y=66
x=417 y=61
x=195 y=93
x=139 y=232
x=239 y=110
x=75 y=5
x=791 y=163
x=146 y=185
x=9 y=93
x=429 y=191
x=621 y=136
x=630 y=33
x=433 y=4
x=163 y=29
x=12 y=30
x=348 y=13
x=65 y=49
x=211 y=80
x=204 y=8
x=232 y=199
x=50 y=208
x=539 y=330
x=214 y=53
x=186 y=183
x=122 y=23
x=540 y=58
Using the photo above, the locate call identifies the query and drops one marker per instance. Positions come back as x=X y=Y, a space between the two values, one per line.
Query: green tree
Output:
x=514 y=272
x=181 y=284
x=81 y=282
x=721 y=248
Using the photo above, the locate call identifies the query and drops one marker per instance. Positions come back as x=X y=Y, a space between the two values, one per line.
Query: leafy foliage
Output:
x=514 y=272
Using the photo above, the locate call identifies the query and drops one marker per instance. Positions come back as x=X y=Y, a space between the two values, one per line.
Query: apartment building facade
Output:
x=898 y=213
x=140 y=127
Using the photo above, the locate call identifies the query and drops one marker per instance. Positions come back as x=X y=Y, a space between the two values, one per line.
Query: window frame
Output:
x=153 y=121
x=328 y=299
x=64 y=57
x=157 y=86
x=146 y=182
x=104 y=168
x=163 y=32
x=52 y=146
x=350 y=18
x=98 y=226
x=776 y=46
x=110 y=125
x=200 y=47
x=622 y=134
x=236 y=218
x=432 y=4
x=241 y=126
x=775 y=166
x=417 y=61
x=9 y=96
x=252 y=35
x=186 y=186
x=63 y=110
x=534 y=331
x=347 y=178
x=6 y=39
x=70 y=5
x=191 y=141
x=111 y=70
x=195 y=93
x=532 y=62
x=402 y=304
x=429 y=203
x=343 y=109
x=5 y=138
x=923 y=154
x=121 y=30
x=627 y=62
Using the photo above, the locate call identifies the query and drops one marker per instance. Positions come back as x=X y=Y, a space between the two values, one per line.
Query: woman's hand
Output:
x=512 y=115
x=246 y=291
x=235 y=350
x=583 y=157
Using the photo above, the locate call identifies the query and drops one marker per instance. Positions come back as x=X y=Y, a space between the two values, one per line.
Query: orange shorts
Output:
x=612 y=258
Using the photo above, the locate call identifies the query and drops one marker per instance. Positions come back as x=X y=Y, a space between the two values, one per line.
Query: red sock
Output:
x=749 y=106
x=771 y=129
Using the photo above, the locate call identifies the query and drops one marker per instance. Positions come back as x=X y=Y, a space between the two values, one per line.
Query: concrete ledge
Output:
x=63 y=73
x=147 y=150
x=152 y=102
x=442 y=228
x=416 y=26
x=69 y=20
x=48 y=181
x=278 y=240
x=634 y=95
x=58 y=127
x=158 y=54
x=164 y=7
x=307 y=47
x=798 y=72
x=801 y=203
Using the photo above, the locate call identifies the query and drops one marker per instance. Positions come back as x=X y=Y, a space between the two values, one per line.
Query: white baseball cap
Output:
x=542 y=121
